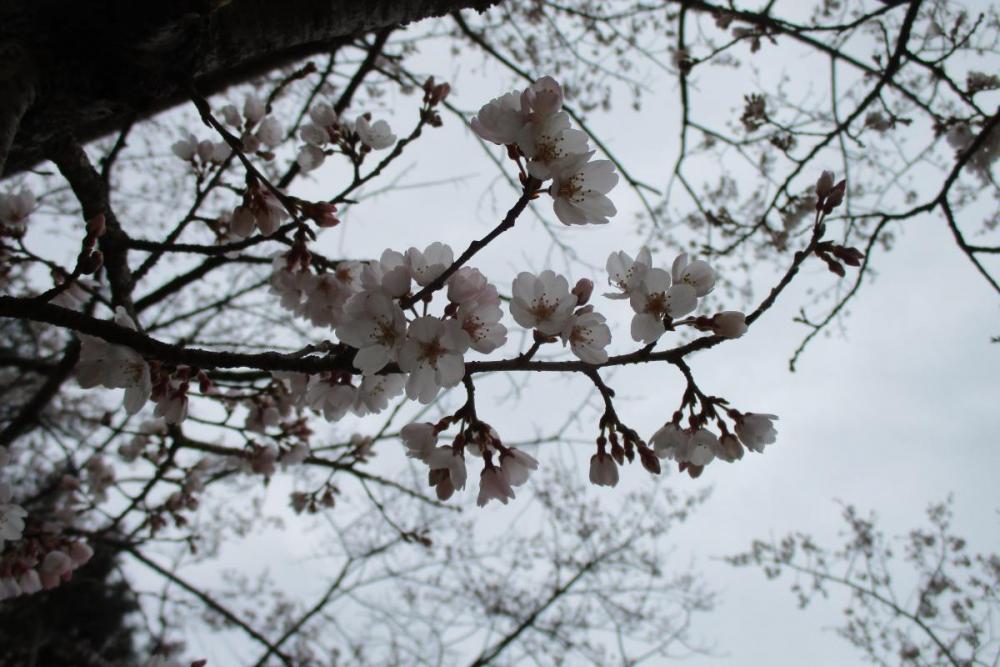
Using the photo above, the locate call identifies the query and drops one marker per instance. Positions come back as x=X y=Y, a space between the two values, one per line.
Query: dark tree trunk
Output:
x=87 y=68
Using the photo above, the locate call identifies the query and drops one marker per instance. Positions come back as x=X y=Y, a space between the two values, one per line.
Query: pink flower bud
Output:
x=824 y=184
x=729 y=324
x=96 y=226
x=80 y=553
x=582 y=290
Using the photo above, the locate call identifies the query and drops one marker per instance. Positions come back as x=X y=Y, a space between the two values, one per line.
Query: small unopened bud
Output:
x=323 y=214
x=836 y=196
x=729 y=324
x=439 y=93
x=582 y=290
x=649 y=460
x=824 y=184
x=96 y=226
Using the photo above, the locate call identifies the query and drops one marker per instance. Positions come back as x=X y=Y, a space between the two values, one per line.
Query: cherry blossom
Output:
x=115 y=367
x=427 y=265
x=756 y=430
x=627 y=274
x=376 y=391
x=469 y=284
x=542 y=98
x=493 y=484
x=579 y=188
x=587 y=335
x=698 y=274
x=15 y=209
x=377 y=135
x=696 y=447
x=172 y=405
x=390 y=274
x=517 y=465
x=603 y=470
x=185 y=148
x=375 y=325
x=11 y=517
x=500 y=121
x=450 y=460
x=542 y=302
x=331 y=397
x=549 y=140
x=656 y=300
x=481 y=321
x=324 y=129
x=432 y=355
x=420 y=439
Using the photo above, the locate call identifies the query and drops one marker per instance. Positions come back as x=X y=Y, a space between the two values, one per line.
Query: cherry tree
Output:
x=190 y=339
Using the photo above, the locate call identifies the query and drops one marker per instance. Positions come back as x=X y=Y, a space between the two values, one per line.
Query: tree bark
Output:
x=100 y=63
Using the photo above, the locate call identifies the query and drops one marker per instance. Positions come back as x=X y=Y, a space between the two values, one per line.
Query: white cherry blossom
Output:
x=420 y=440
x=11 y=517
x=186 y=148
x=542 y=98
x=517 y=465
x=15 y=208
x=579 y=188
x=427 y=265
x=447 y=458
x=481 y=321
x=377 y=135
x=376 y=391
x=655 y=300
x=333 y=399
x=603 y=470
x=627 y=274
x=432 y=355
x=500 y=121
x=390 y=274
x=493 y=484
x=375 y=325
x=542 y=302
x=548 y=140
x=469 y=284
x=587 y=335
x=729 y=324
x=115 y=367
x=698 y=274
x=756 y=430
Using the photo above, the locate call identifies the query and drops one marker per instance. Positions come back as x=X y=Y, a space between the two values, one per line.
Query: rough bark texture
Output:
x=100 y=63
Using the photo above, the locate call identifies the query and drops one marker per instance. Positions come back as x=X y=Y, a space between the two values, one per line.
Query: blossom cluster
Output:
x=28 y=565
x=327 y=133
x=394 y=334
x=533 y=125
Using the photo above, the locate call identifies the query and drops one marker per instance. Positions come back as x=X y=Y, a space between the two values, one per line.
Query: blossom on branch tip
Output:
x=376 y=391
x=377 y=135
x=517 y=465
x=756 y=430
x=420 y=440
x=493 y=484
x=603 y=470
x=542 y=98
x=579 y=188
x=729 y=324
x=447 y=458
